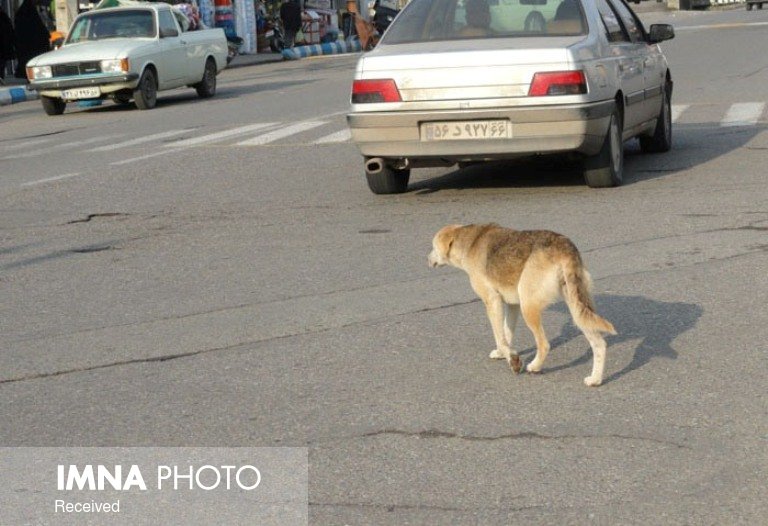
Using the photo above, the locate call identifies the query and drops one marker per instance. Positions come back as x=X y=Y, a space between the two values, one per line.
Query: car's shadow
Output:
x=693 y=145
x=653 y=324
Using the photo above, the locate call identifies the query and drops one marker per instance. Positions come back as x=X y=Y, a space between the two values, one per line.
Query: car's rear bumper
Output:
x=535 y=130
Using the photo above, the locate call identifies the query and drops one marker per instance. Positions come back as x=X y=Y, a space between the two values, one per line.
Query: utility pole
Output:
x=66 y=11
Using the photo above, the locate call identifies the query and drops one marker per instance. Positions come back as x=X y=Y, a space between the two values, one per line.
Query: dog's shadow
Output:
x=655 y=323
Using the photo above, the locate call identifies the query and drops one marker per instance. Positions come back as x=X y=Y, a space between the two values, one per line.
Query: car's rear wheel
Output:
x=607 y=167
x=53 y=106
x=145 y=94
x=387 y=180
x=206 y=88
x=661 y=140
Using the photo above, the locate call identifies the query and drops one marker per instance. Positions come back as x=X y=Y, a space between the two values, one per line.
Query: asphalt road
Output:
x=217 y=273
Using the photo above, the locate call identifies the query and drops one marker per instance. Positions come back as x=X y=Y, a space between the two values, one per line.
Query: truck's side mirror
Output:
x=660 y=33
x=166 y=32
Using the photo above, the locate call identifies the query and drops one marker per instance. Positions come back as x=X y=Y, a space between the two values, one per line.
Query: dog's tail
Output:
x=576 y=291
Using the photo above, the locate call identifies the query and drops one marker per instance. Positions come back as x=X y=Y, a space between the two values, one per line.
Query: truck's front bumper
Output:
x=106 y=83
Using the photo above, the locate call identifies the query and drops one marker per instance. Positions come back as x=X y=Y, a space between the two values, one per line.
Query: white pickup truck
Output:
x=128 y=53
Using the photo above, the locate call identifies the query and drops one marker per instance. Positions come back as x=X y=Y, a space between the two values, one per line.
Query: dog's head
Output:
x=441 y=246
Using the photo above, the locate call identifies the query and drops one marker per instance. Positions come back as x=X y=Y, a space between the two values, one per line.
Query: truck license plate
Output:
x=465 y=130
x=81 y=93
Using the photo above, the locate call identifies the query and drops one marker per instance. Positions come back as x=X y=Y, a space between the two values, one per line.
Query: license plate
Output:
x=81 y=93
x=465 y=130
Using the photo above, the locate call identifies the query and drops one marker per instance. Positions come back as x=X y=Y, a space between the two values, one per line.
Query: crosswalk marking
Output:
x=213 y=137
x=281 y=133
x=677 y=110
x=743 y=114
x=340 y=136
x=62 y=146
x=27 y=144
x=139 y=140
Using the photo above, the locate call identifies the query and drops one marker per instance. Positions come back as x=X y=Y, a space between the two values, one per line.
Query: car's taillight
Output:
x=376 y=90
x=558 y=83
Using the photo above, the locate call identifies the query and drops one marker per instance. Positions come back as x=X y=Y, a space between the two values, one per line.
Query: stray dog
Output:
x=514 y=271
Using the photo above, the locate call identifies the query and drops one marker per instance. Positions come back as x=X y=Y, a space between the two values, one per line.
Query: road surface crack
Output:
x=523 y=435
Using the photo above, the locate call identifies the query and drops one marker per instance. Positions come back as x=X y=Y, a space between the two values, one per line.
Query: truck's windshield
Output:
x=126 y=23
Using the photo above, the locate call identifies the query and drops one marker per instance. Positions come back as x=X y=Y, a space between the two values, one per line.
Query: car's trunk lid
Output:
x=426 y=72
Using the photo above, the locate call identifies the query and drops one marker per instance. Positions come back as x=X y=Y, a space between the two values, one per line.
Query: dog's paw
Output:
x=533 y=367
x=497 y=355
x=592 y=382
x=515 y=362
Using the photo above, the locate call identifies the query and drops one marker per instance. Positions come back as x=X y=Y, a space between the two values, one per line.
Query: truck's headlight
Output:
x=39 y=72
x=115 y=65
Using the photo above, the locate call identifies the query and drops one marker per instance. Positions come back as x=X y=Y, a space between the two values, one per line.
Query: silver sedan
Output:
x=463 y=81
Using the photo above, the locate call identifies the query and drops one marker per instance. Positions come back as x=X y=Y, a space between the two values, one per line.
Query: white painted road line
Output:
x=139 y=140
x=51 y=179
x=27 y=144
x=167 y=152
x=63 y=146
x=213 y=137
x=340 y=136
x=743 y=114
x=282 y=133
x=677 y=110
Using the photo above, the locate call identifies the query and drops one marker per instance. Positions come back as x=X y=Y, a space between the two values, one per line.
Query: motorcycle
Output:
x=384 y=12
x=233 y=47
x=274 y=35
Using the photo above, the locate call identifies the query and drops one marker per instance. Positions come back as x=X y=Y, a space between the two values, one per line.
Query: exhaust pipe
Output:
x=374 y=165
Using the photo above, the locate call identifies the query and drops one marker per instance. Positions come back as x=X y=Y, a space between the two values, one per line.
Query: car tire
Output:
x=121 y=99
x=145 y=94
x=206 y=88
x=606 y=169
x=53 y=106
x=661 y=140
x=388 y=181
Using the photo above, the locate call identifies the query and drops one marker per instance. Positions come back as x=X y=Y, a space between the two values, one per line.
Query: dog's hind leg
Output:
x=532 y=316
x=597 y=342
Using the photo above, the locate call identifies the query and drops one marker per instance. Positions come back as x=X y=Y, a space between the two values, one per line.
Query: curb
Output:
x=329 y=48
x=16 y=94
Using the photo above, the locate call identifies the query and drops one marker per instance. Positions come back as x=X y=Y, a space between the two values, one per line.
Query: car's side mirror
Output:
x=167 y=32
x=660 y=33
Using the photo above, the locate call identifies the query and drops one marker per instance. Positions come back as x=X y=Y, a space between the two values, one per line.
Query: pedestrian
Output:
x=290 y=14
x=32 y=37
x=7 y=45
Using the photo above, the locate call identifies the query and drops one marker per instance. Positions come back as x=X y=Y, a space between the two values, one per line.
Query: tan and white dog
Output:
x=514 y=271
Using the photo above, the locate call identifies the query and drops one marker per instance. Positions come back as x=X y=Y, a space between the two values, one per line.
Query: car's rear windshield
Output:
x=125 y=23
x=430 y=20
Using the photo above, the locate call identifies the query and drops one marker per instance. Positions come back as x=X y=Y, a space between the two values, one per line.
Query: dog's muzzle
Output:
x=433 y=260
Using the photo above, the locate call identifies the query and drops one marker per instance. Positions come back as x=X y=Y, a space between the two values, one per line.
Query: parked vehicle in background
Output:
x=464 y=81
x=752 y=3
x=128 y=53
x=385 y=12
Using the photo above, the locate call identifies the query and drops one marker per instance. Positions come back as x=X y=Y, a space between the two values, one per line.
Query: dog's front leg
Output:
x=502 y=330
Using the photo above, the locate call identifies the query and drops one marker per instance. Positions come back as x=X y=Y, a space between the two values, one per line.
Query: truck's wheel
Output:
x=607 y=167
x=207 y=87
x=53 y=106
x=121 y=98
x=145 y=94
